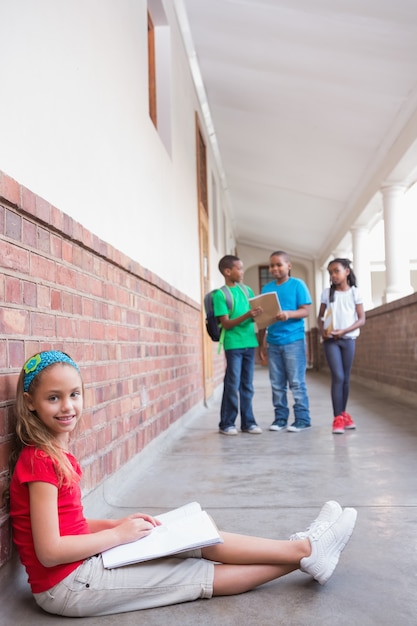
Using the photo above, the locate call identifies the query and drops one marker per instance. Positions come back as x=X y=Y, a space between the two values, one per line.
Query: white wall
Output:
x=75 y=128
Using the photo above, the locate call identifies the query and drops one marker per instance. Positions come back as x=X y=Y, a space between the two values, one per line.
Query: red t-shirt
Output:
x=34 y=465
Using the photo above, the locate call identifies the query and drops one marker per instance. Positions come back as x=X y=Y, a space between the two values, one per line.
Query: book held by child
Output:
x=185 y=528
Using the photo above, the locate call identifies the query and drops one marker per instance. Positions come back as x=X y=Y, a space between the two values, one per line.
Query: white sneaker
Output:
x=230 y=430
x=253 y=430
x=277 y=427
x=330 y=512
x=327 y=545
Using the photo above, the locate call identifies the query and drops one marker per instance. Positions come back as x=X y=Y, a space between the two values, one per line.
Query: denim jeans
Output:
x=339 y=354
x=287 y=364
x=238 y=387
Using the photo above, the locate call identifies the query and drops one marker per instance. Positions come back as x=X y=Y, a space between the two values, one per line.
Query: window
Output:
x=152 y=72
x=159 y=71
x=264 y=276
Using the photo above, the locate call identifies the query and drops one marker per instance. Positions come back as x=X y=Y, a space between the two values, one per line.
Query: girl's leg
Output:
x=347 y=348
x=233 y=579
x=246 y=562
x=333 y=355
x=247 y=550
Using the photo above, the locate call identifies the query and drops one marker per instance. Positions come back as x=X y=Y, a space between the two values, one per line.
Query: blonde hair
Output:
x=31 y=431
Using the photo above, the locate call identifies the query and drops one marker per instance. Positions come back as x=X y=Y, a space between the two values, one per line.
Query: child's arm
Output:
x=228 y=323
x=302 y=311
x=262 y=344
x=320 y=324
x=53 y=549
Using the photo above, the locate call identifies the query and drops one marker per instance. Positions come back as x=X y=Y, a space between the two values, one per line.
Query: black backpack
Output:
x=213 y=327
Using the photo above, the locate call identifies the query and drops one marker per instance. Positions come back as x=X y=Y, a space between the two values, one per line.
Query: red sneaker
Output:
x=338 y=425
x=349 y=423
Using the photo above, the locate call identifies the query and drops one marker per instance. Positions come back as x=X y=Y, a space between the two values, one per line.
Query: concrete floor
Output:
x=273 y=484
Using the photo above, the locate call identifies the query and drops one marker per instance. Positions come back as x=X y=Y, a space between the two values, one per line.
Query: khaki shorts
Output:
x=93 y=590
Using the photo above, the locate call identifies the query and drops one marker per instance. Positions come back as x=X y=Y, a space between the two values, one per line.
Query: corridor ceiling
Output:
x=313 y=107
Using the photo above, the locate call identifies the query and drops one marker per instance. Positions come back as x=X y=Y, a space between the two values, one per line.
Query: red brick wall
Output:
x=386 y=352
x=136 y=339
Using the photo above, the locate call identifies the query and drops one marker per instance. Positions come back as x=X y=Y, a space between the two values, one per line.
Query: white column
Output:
x=361 y=264
x=397 y=263
x=325 y=277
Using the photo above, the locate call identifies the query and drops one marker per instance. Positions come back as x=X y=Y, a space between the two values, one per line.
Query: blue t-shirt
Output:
x=292 y=294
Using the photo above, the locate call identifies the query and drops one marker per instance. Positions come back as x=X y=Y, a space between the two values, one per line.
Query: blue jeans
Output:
x=339 y=354
x=287 y=364
x=238 y=386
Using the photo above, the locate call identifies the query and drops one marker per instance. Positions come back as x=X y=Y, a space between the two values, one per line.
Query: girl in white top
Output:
x=340 y=317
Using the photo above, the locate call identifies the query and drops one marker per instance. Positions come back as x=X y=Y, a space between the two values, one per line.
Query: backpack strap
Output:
x=228 y=297
x=230 y=305
x=243 y=288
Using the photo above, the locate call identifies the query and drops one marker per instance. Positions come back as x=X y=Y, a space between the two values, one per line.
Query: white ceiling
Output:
x=313 y=105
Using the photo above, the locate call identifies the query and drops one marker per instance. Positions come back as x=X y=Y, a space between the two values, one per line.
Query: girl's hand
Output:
x=257 y=311
x=144 y=516
x=337 y=333
x=135 y=527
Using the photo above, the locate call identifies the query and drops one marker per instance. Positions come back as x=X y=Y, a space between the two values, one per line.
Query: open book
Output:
x=271 y=307
x=185 y=528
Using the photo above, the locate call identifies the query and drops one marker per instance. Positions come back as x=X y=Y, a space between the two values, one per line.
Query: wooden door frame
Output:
x=204 y=247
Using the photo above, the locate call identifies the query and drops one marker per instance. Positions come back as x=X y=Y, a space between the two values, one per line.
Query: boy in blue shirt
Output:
x=286 y=347
x=239 y=345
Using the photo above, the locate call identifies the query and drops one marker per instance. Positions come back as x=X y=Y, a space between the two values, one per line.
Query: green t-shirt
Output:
x=243 y=335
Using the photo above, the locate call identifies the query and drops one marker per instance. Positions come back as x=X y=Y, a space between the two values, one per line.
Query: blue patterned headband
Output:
x=37 y=363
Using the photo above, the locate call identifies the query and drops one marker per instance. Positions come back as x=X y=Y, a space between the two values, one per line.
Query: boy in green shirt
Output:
x=239 y=344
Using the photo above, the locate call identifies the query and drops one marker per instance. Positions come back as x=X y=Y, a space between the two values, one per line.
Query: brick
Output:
x=12 y=290
x=8 y=387
x=14 y=258
x=56 y=246
x=57 y=218
x=43 y=240
x=29 y=294
x=3 y=353
x=43 y=297
x=43 y=209
x=67 y=251
x=13 y=225
x=29 y=233
x=42 y=268
x=14 y=321
x=16 y=354
x=28 y=200
x=66 y=327
x=56 y=300
x=42 y=325
x=9 y=189
x=66 y=276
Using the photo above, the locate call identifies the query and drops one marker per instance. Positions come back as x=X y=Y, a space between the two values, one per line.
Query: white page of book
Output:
x=182 y=529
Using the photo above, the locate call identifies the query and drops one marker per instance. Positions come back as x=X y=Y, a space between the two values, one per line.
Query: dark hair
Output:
x=281 y=253
x=351 y=278
x=227 y=262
